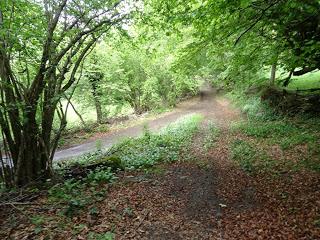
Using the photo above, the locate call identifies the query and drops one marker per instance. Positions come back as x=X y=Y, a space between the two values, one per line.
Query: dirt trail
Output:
x=212 y=107
x=205 y=195
x=186 y=200
x=208 y=196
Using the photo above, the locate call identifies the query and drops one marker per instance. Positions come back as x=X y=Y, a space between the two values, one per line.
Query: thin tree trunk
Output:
x=273 y=74
x=95 y=80
x=78 y=114
x=97 y=104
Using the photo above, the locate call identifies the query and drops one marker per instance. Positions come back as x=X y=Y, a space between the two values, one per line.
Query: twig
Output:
x=142 y=220
x=256 y=21
x=12 y=204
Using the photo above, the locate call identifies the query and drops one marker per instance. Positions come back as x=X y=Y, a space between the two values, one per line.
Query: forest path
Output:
x=205 y=194
x=188 y=199
x=213 y=107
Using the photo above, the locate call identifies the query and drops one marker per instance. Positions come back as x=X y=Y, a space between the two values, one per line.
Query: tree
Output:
x=133 y=71
x=95 y=77
x=42 y=47
x=285 y=30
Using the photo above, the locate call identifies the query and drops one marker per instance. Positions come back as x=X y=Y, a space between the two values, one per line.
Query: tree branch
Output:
x=304 y=70
x=263 y=11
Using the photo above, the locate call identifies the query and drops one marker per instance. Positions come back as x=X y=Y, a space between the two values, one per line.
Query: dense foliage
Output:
x=42 y=47
x=110 y=58
x=130 y=72
x=242 y=37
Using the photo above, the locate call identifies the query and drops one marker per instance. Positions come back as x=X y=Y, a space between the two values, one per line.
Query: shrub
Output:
x=152 y=148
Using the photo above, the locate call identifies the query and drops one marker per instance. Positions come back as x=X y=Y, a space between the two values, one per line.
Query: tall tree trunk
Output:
x=33 y=158
x=97 y=104
x=273 y=74
x=95 y=79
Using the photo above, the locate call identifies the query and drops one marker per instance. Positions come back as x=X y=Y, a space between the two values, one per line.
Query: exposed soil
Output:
x=207 y=196
x=213 y=108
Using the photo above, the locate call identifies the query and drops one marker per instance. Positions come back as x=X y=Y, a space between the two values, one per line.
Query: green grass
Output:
x=211 y=136
x=263 y=129
x=249 y=157
x=89 y=114
x=268 y=129
x=281 y=132
x=306 y=81
x=264 y=123
x=165 y=146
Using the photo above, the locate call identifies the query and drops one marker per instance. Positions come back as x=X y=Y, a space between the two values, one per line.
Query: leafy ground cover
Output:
x=66 y=200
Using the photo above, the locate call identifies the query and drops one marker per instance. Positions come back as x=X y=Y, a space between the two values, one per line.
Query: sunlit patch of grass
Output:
x=281 y=132
x=306 y=81
x=153 y=148
x=265 y=129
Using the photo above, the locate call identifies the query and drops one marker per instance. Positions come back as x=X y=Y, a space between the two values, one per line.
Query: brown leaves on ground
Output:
x=208 y=197
x=267 y=206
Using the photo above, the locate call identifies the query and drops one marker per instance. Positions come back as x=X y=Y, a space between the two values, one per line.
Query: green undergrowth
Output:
x=147 y=150
x=250 y=158
x=211 y=136
x=296 y=136
x=71 y=198
x=286 y=134
x=133 y=153
x=84 y=181
x=151 y=148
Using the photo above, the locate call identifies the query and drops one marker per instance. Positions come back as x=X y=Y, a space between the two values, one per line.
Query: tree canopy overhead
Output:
x=289 y=30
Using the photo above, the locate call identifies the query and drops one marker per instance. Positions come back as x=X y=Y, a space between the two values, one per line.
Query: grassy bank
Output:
x=273 y=142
